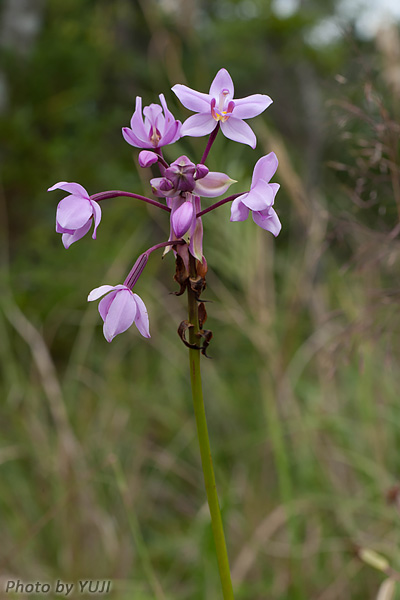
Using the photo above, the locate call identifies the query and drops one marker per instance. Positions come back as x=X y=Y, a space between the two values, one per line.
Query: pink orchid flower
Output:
x=156 y=130
x=75 y=213
x=261 y=197
x=219 y=106
x=119 y=309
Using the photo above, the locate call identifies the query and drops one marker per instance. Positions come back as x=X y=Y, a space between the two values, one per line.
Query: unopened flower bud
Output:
x=181 y=173
x=165 y=185
x=147 y=158
x=201 y=171
x=182 y=218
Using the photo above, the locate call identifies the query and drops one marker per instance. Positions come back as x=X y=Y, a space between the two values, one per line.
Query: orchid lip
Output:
x=218 y=112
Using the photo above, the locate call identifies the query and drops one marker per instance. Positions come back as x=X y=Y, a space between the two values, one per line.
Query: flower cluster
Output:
x=180 y=186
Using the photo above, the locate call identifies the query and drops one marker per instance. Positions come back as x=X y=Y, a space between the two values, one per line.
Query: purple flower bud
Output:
x=181 y=218
x=183 y=177
x=166 y=185
x=147 y=158
x=201 y=171
x=119 y=309
x=181 y=174
x=75 y=213
x=162 y=187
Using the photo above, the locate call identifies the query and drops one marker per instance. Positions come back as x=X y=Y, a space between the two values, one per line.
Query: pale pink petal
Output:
x=183 y=251
x=105 y=303
x=72 y=188
x=56 y=186
x=239 y=212
x=222 y=81
x=68 y=239
x=137 y=120
x=97 y=216
x=169 y=117
x=195 y=101
x=134 y=140
x=246 y=108
x=60 y=229
x=213 y=184
x=120 y=315
x=196 y=241
x=181 y=218
x=155 y=182
x=100 y=291
x=153 y=113
x=275 y=187
x=265 y=168
x=268 y=220
x=141 y=318
x=73 y=212
x=172 y=127
x=198 y=125
x=197 y=208
x=172 y=133
x=238 y=131
x=260 y=197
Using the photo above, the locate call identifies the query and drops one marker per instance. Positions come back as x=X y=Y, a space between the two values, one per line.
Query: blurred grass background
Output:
x=100 y=469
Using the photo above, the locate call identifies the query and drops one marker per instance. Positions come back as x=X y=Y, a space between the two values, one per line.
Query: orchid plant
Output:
x=180 y=187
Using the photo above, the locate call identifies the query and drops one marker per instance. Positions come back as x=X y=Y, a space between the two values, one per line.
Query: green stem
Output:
x=204 y=442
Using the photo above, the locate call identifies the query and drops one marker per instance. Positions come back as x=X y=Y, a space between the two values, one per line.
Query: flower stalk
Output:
x=141 y=262
x=181 y=184
x=217 y=204
x=204 y=442
x=119 y=193
x=210 y=142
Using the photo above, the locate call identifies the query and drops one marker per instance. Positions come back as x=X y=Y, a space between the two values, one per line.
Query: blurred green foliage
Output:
x=302 y=392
